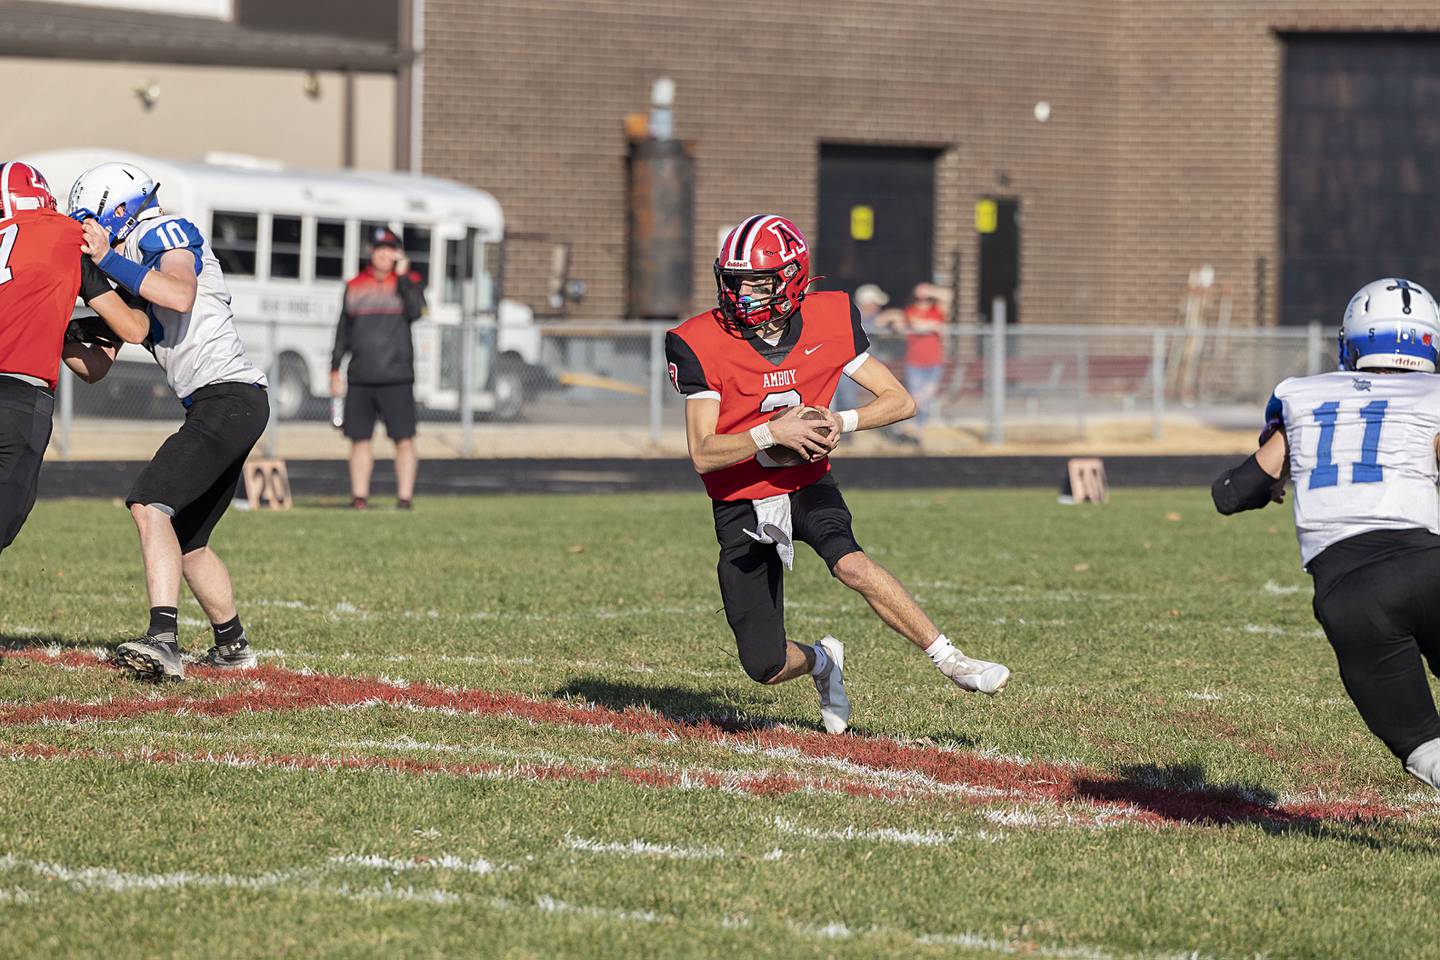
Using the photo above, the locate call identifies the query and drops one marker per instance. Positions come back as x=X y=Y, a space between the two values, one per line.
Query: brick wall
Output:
x=1161 y=153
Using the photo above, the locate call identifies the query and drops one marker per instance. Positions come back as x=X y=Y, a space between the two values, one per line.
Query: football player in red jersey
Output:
x=770 y=346
x=41 y=271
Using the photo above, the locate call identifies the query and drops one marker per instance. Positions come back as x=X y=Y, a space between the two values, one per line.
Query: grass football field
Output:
x=517 y=727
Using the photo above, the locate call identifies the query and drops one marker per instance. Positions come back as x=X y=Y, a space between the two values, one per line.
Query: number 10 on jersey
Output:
x=1365 y=470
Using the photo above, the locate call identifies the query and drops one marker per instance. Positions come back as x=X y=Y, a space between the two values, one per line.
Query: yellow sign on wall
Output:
x=862 y=223
x=987 y=216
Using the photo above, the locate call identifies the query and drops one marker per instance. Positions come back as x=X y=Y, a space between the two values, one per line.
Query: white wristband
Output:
x=849 y=420
x=761 y=435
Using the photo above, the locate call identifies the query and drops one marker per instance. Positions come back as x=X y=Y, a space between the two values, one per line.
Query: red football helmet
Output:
x=22 y=187
x=759 y=248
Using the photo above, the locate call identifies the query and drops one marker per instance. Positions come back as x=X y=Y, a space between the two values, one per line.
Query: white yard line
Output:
x=305 y=880
x=913 y=838
x=642 y=848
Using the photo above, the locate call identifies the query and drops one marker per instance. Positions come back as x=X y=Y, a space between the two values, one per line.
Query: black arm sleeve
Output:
x=1246 y=487
x=412 y=296
x=92 y=281
x=857 y=330
x=684 y=367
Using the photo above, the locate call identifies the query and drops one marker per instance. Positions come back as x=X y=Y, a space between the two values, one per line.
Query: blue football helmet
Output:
x=1390 y=324
x=114 y=194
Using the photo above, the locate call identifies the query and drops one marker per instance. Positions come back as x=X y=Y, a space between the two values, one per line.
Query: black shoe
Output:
x=404 y=505
x=229 y=656
x=150 y=658
x=359 y=503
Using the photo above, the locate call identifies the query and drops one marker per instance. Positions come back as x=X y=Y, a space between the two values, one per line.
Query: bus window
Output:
x=490 y=277
x=284 y=248
x=329 y=249
x=367 y=234
x=232 y=238
x=417 y=248
x=459 y=266
x=451 y=292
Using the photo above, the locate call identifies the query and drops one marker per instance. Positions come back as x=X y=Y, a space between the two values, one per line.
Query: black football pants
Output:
x=1381 y=620
x=26 y=414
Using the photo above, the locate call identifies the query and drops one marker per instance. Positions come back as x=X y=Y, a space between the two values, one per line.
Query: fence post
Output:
x=657 y=380
x=1314 y=348
x=272 y=373
x=1157 y=384
x=66 y=392
x=995 y=375
x=1082 y=382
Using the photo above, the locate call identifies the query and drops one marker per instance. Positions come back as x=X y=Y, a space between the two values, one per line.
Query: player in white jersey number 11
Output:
x=1360 y=448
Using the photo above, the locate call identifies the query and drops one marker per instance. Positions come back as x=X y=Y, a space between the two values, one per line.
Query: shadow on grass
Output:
x=1183 y=793
x=677 y=704
x=42 y=641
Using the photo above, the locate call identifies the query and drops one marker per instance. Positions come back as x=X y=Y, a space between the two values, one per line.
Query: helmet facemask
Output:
x=752 y=300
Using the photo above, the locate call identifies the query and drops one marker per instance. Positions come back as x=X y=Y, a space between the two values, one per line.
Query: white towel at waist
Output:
x=772 y=519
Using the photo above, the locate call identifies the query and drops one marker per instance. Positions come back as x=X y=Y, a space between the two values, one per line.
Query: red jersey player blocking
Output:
x=41 y=271
x=769 y=347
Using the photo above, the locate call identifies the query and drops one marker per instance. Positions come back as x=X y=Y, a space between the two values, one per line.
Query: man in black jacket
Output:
x=381 y=302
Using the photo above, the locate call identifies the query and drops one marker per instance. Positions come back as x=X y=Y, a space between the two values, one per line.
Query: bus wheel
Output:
x=509 y=388
x=290 y=392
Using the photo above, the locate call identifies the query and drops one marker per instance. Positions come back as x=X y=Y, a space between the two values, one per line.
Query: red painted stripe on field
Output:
x=270 y=689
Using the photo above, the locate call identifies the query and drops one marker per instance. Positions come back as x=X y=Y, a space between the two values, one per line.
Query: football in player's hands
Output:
x=784 y=456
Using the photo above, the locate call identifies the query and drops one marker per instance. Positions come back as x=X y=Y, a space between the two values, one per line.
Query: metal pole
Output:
x=1157 y=383
x=1315 y=348
x=273 y=374
x=657 y=379
x=1082 y=382
x=66 y=392
x=995 y=379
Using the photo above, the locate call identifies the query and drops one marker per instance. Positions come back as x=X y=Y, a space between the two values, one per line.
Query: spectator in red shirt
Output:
x=924 y=350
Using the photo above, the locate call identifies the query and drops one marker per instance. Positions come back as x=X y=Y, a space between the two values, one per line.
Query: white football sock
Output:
x=940 y=649
x=822 y=662
x=1424 y=762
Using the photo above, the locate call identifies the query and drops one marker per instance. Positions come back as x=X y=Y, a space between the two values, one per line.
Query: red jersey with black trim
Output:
x=752 y=379
x=39 y=278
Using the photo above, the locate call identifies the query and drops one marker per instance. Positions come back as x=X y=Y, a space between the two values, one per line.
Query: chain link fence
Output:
x=601 y=388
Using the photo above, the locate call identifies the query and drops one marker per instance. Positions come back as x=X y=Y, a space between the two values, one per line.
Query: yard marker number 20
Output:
x=1365 y=470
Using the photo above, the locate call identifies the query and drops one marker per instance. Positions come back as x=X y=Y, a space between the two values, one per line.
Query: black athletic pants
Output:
x=1382 y=619
x=752 y=580
x=194 y=474
x=26 y=415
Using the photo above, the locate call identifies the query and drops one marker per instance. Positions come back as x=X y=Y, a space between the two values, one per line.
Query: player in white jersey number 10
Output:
x=1360 y=448
x=181 y=314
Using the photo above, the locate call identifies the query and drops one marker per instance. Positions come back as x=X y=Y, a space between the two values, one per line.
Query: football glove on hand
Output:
x=92 y=330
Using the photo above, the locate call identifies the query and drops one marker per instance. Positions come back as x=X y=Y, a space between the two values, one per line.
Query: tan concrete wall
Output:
x=264 y=113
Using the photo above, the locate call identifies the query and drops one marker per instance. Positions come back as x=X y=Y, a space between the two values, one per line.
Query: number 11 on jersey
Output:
x=1365 y=470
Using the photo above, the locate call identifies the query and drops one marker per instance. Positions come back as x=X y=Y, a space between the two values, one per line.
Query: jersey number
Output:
x=1365 y=470
x=7 y=243
x=780 y=401
x=173 y=236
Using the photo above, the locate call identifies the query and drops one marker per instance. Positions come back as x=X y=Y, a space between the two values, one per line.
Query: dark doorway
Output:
x=877 y=218
x=1360 y=174
x=997 y=220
